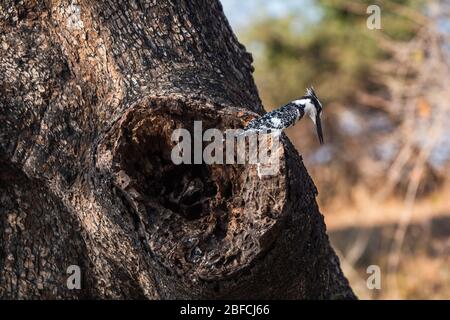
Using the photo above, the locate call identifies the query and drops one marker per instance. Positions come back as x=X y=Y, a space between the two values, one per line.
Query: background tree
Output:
x=360 y=74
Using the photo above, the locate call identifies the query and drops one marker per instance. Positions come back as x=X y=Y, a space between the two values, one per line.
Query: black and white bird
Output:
x=287 y=115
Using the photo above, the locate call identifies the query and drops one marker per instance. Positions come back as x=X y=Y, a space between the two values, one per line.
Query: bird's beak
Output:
x=319 y=129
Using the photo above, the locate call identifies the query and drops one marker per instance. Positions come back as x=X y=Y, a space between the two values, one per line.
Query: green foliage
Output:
x=335 y=54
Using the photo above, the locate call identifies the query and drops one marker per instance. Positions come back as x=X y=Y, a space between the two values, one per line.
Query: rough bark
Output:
x=89 y=94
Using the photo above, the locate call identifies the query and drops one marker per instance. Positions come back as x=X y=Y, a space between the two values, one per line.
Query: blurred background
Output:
x=383 y=174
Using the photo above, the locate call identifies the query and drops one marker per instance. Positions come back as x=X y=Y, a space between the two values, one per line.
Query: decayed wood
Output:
x=90 y=92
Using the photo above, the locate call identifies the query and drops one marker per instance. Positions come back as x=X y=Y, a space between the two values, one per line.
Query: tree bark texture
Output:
x=90 y=92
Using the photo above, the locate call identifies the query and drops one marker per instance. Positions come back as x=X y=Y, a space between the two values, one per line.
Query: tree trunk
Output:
x=90 y=92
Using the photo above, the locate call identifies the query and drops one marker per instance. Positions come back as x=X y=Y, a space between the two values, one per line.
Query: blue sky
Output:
x=241 y=12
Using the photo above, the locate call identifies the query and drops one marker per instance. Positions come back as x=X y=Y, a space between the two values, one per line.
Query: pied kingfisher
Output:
x=287 y=115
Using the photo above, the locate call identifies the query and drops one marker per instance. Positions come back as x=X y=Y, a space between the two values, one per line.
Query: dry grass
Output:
x=363 y=234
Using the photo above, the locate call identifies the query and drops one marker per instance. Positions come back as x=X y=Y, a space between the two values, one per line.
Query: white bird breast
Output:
x=311 y=111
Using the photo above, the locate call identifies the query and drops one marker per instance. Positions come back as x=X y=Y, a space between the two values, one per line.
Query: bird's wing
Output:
x=279 y=119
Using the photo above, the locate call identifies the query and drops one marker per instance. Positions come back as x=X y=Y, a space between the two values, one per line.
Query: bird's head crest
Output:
x=310 y=92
